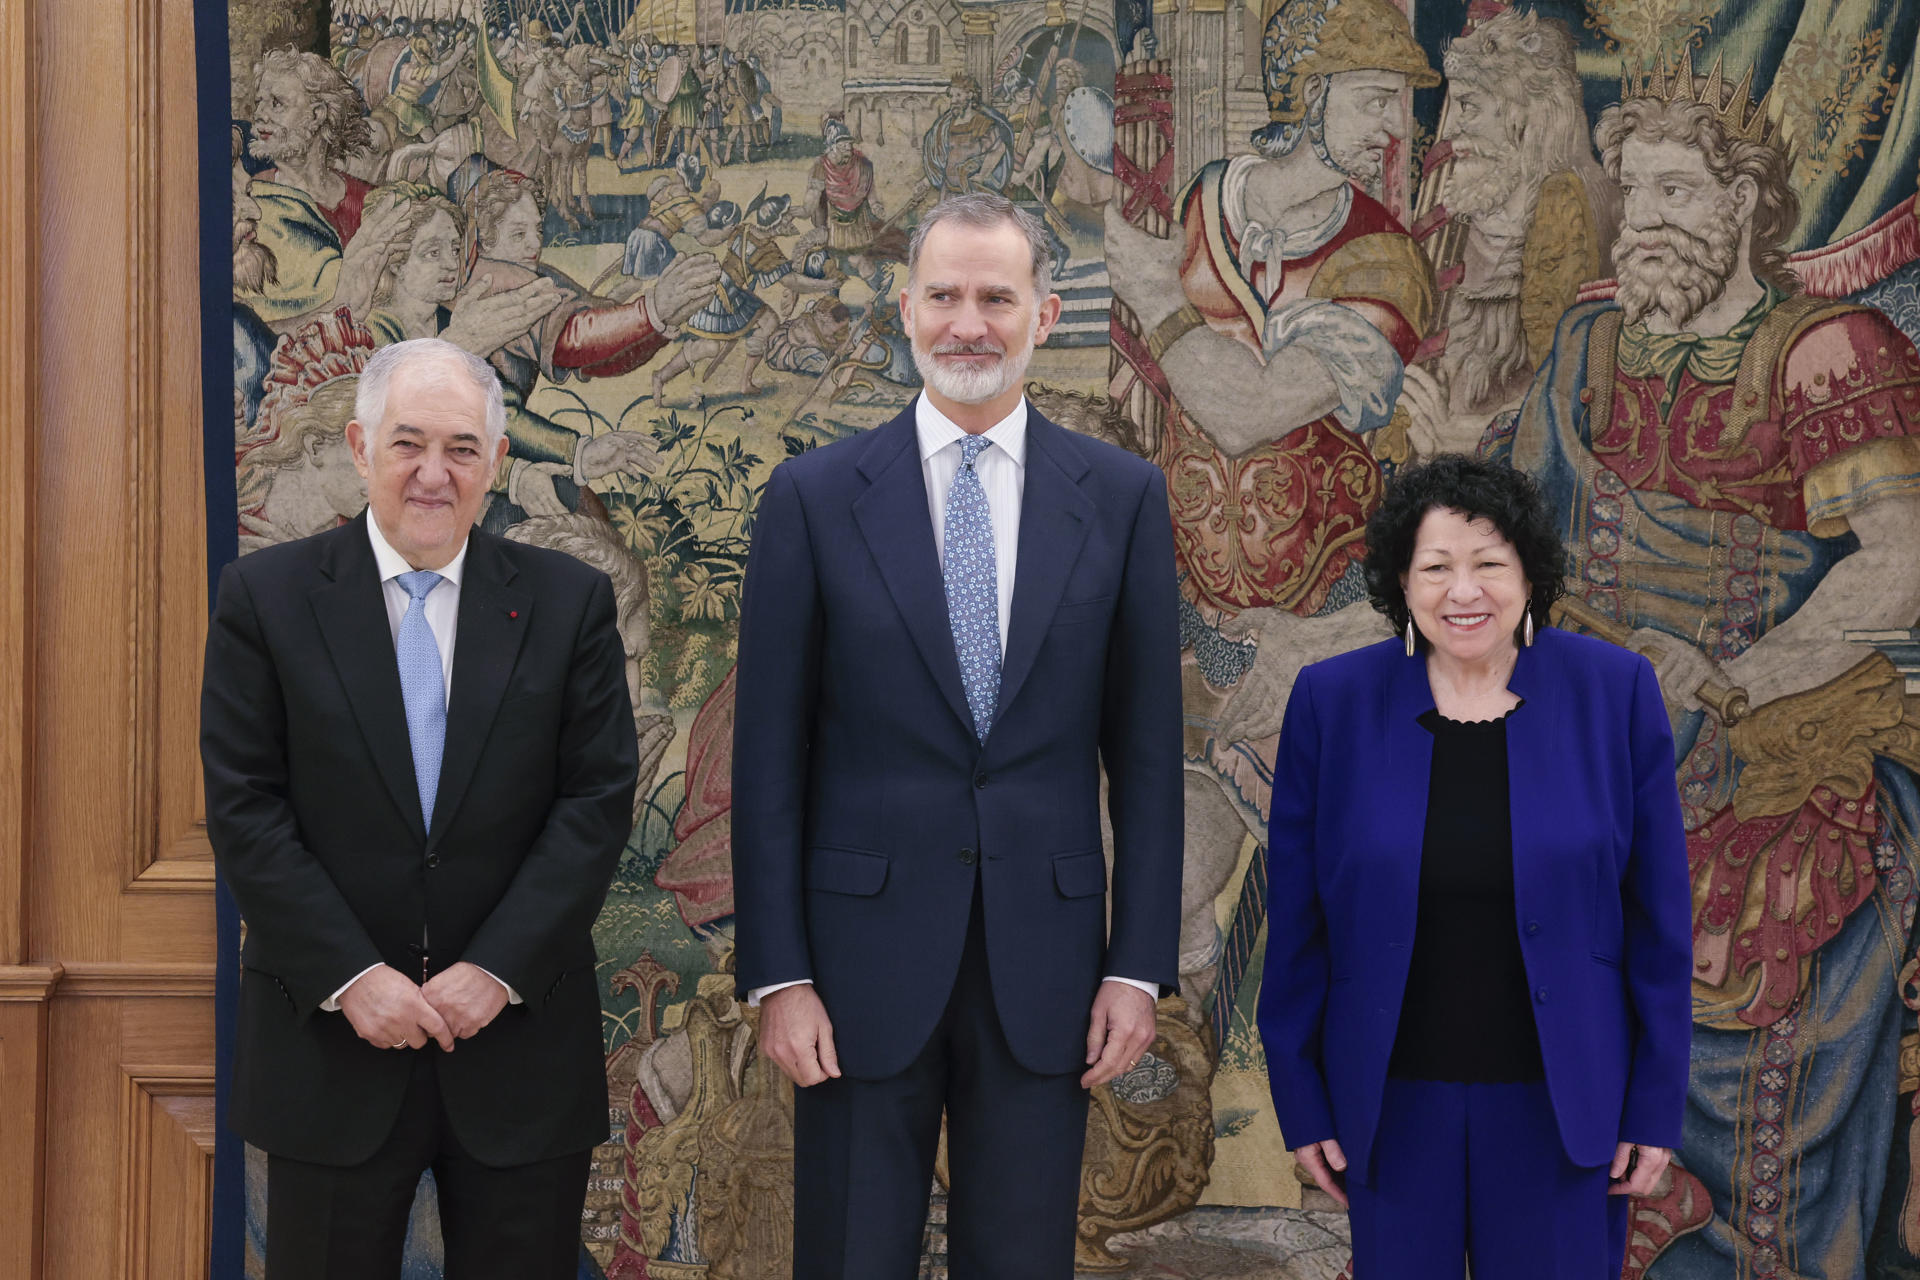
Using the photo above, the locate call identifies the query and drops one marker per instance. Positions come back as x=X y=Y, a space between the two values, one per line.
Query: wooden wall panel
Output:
x=168 y=1189
x=24 y=990
x=120 y=602
x=106 y=883
x=17 y=418
x=23 y=1103
x=130 y=1091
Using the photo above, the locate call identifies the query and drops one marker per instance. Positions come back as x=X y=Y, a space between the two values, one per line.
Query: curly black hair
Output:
x=1481 y=490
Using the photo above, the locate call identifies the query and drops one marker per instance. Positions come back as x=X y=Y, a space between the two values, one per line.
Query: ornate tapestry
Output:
x=1405 y=199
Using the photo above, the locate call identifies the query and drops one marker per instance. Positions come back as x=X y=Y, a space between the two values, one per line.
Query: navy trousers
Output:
x=1476 y=1171
x=863 y=1154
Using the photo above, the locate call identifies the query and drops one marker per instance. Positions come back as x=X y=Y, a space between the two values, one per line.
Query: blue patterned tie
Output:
x=423 y=687
x=973 y=587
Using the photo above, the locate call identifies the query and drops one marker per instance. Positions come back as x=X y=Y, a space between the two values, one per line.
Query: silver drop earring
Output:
x=1526 y=632
x=1410 y=644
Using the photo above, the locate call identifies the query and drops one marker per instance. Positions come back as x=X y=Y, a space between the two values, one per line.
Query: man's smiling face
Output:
x=428 y=463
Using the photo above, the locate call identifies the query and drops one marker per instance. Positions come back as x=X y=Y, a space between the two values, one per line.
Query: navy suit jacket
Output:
x=863 y=804
x=1603 y=908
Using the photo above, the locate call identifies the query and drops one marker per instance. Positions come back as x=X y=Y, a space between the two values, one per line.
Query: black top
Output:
x=1467 y=1016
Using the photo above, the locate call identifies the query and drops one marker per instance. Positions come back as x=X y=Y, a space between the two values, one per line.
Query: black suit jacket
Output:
x=316 y=825
x=863 y=804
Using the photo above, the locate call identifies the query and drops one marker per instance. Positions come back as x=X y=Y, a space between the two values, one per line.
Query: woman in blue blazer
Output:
x=1476 y=1003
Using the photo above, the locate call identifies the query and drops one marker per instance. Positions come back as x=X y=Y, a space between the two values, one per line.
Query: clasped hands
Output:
x=797 y=1034
x=390 y=1011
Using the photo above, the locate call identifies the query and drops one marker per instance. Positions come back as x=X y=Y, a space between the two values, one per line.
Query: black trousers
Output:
x=350 y=1223
x=864 y=1150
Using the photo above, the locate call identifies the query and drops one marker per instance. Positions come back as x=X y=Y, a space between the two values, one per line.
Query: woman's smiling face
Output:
x=1465 y=587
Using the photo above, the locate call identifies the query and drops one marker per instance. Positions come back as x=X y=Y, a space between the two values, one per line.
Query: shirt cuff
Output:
x=513 y=997
x=1151 y=988
x=755 y=996
x=332 y=1003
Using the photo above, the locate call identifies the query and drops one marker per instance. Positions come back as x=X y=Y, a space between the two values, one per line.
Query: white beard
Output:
x=1482 y=185
x=969 y=384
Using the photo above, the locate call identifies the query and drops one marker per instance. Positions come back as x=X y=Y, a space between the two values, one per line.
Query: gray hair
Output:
x=985 y=210
x=370 y=396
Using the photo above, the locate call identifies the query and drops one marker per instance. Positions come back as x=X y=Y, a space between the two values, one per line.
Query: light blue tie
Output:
x=973 y=587
x=423 y=687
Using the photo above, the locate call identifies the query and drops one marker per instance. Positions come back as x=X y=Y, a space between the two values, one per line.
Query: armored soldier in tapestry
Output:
x=1298 y=244
x=1279 y=316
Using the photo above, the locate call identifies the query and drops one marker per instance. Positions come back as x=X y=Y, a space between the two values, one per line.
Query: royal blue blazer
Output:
x=1603 y=905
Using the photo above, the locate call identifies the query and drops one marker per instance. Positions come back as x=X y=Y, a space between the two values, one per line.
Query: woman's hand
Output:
x=1646 y=1170
x=1325 y=1160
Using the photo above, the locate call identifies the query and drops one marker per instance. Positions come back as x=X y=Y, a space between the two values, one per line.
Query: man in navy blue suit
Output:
x=950 y=624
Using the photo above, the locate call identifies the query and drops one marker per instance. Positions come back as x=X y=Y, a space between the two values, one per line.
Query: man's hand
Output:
x=367 y=254
x=1433 y=427
x=1647 y=1169
x=1324 y=1161
x=632 y=452
x=1121 y=1030
x=683 y=288
x=797 y=1034
x=390 y=1012
x=530 y=486
x=467 y=997
x=484 y=321
x=1681 y=669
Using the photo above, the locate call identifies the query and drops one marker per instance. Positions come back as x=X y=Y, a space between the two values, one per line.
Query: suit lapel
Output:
x=352 y=616
x=894 y=520
x=1403 y=824
x=1054 y=516
x=493 y=624
x=1536 y=762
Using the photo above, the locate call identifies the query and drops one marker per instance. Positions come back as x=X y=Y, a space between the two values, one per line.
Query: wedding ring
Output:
x=401 y=1045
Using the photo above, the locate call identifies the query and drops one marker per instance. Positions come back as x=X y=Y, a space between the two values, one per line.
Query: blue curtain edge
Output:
x=228 y=1261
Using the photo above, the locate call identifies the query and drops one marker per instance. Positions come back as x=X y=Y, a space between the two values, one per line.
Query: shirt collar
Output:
x=392 y=564
x=936 y=430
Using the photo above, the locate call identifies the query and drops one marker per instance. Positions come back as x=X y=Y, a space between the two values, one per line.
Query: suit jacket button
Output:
x=1540 y=994
x=433 y=860
x=980 y=780
x=968 y=856
x=1533 y=927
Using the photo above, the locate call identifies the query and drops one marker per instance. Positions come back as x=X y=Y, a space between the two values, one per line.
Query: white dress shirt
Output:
x=442 y=609
x=1002 y=470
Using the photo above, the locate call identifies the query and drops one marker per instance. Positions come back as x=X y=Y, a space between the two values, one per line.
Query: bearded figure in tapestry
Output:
x=1515 y=213
x=1739 y=472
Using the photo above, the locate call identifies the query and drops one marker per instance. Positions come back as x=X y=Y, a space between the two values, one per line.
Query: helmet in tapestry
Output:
x=1301 y=39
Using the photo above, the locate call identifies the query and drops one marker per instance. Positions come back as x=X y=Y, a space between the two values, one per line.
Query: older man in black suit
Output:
x=420 y=764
